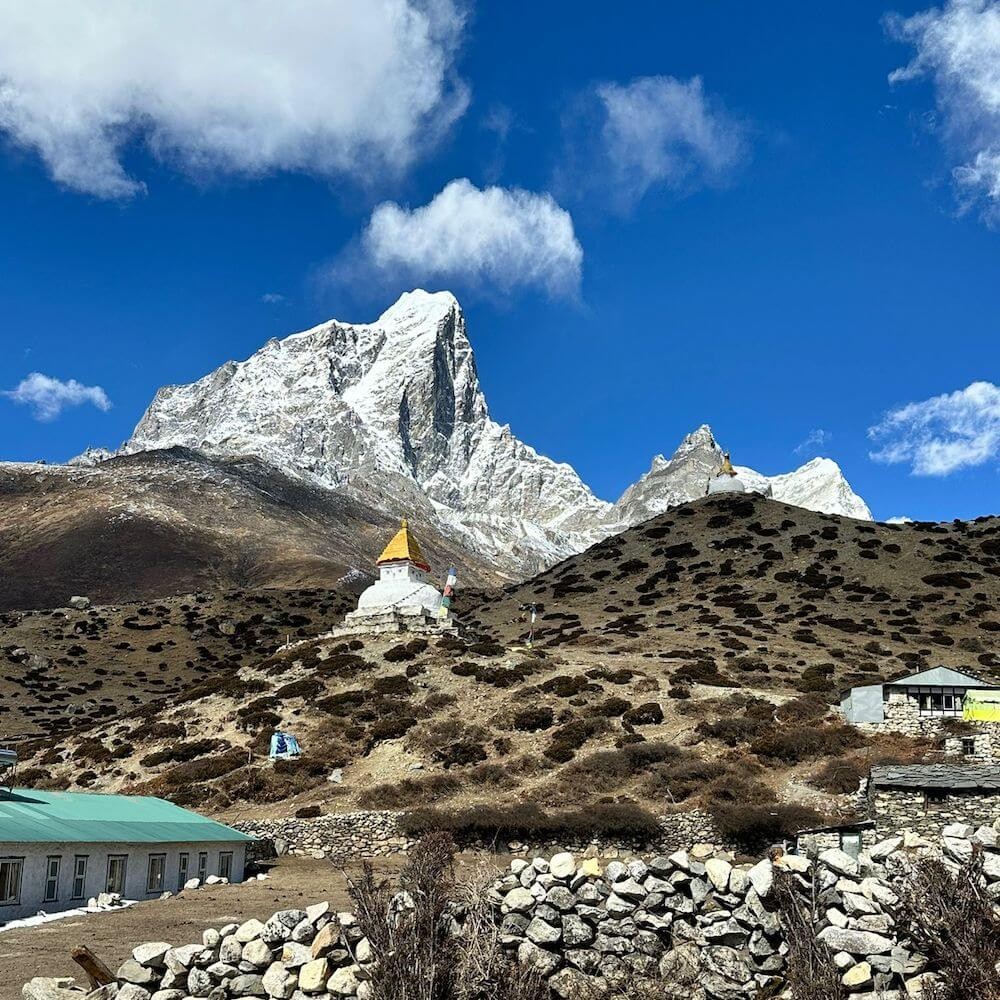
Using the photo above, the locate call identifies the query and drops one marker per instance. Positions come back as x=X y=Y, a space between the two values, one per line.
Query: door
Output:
x=182 y=871
x=226 y=864
x=202 y=866
x=116 y=874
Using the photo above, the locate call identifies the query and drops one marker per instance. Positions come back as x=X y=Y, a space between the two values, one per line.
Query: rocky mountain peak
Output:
x=392 y=413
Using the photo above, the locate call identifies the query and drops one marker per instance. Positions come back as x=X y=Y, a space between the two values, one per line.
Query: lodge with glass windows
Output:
x=60 y=849
x=959 y=708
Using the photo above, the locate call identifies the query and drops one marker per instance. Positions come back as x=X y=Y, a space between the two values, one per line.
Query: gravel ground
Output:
x=44 y=950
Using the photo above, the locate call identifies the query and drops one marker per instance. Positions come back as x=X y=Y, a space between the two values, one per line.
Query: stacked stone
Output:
x=695 y=916
x=337 y=837
x=296 y=953
x=692 y=910
x=377 y=834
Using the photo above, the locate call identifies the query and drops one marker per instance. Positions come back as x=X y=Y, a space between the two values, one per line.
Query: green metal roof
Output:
x=30 y=816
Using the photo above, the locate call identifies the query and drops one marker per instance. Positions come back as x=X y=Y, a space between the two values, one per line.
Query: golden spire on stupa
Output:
x=726 y=469
x=403 y=547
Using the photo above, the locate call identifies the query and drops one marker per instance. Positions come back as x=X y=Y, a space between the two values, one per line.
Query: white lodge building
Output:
x=59 y=849
x=922 y=704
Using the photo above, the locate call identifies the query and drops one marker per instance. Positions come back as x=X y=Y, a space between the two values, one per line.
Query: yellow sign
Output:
x=981 y=706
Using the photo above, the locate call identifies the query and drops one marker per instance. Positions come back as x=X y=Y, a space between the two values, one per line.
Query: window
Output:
x=202 y=866
x=182 y=871
x=968 y=745
x=116 y=873
x=226 y=864
x=52 y=878
x=10 y=880
x=942 y=701
x=850 y=844
x=79 y=877
x=155 y=872
x=935 y=798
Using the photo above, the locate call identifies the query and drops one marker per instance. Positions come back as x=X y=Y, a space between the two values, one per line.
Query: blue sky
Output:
x=665 y=215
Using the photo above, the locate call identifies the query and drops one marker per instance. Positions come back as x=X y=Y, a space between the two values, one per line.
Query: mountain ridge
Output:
x=392 y=412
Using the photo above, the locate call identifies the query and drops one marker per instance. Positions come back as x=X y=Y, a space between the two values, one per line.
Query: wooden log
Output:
x=97 y=972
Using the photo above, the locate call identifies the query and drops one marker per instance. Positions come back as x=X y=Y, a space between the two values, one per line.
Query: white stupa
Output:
x=726 y=480
x=401 y=599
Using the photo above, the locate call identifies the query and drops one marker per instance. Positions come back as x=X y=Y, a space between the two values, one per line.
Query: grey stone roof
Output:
x=941 y=677
x=985 y=776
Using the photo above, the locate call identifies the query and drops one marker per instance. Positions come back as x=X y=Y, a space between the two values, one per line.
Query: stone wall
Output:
x=347 y=835
x=376 y=834
x=904 y=808
x=711 y=928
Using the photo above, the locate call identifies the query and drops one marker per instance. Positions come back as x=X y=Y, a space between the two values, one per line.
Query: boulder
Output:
x=863 y=943
x=279 y=981
x=562 y=866
x=836 y=860
x=313 y=976
x=152 y=954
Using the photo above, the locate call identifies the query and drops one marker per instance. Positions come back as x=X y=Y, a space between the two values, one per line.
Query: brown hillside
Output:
x=690 y=661
x=172 y=522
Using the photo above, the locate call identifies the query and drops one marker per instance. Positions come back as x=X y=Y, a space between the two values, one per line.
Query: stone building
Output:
x=59 y=849
x=934 y=703
x=928 y=797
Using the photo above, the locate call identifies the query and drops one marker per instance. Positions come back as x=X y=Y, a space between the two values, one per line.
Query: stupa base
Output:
x=395 y=620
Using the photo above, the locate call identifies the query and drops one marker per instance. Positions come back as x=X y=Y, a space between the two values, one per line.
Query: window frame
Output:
x=112 y=858
x=79 y=877
x=939 y=702
x=202 y=866
x=226 y=856
x=18 y=864
x=158 y=863
x=855 y=837
x=968 y=744
x=183 y=869
x=52 y=881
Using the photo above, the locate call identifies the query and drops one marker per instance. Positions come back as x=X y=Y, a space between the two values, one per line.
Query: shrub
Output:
x=486 y=648
x=180 y=752
x=755 y=827
x=398 y=654
x=409 y=792
x=205 y=769
x=532 y=719
x=391 y=729
x=952 y=920
x=795 y=743
x=308 y=812
x=527 y=820
x=568 y=738
x=649 y=714
x=733 y=731
x=308 y=687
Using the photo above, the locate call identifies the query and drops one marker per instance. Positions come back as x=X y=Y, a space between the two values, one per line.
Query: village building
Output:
x=959 y=709
x=924 y=798
x=401 y=599
x=60 y=849
x=928 y=797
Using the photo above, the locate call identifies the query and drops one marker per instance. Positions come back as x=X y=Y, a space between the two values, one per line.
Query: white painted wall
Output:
x=137 y=866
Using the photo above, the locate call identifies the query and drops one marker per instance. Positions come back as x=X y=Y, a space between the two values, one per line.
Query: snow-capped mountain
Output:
x=391 y=410
x=392 y=413
x=818 y=485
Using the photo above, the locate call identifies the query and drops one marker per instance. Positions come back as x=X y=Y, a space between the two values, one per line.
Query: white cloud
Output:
x=943 y=434
x=958 y=46
x=243 y=87
x=48 y=396
x=899 y=519
x=272 y=298
x=657 y=131
x=813 y=441
x=496 y=238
